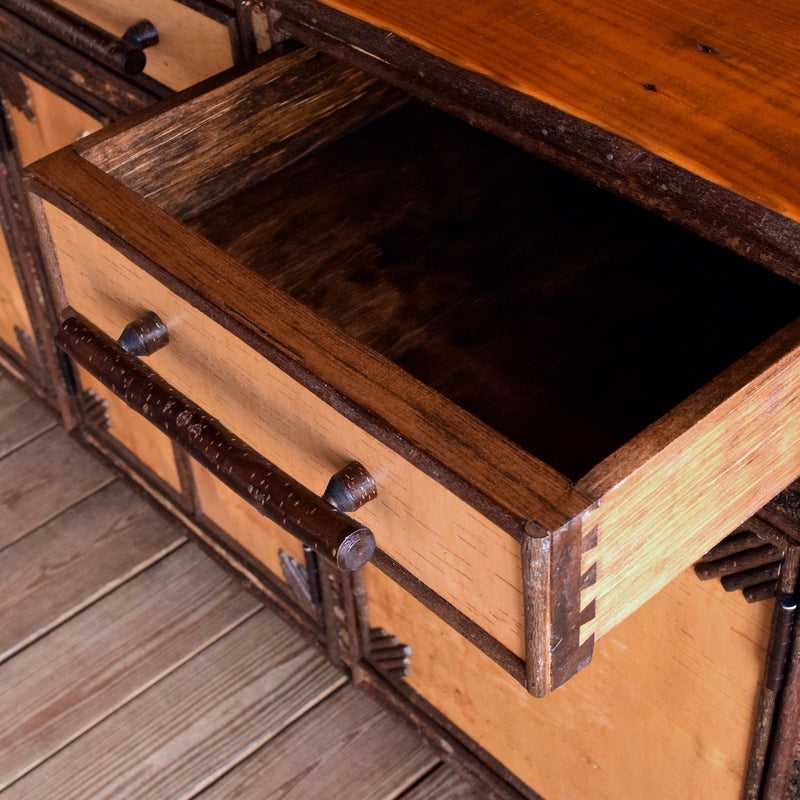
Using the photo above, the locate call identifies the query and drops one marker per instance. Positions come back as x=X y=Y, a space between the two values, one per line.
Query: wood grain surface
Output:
x=349 y=747
x=131 y=678
x=699 y=472
x=178 y=736
x=78 y=674
x=35 y=487
x=666 y=706
x=267 y=118
x=707 y=87
x=87 y=551
x=21 y=417
x=443 y=784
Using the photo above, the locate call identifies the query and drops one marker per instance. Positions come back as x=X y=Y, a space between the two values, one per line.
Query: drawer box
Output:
x=563 y=402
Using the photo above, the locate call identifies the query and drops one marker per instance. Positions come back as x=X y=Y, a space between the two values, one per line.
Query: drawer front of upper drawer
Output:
x=261 y=538
x=43 y=121
x=659 y=712
x=191 y=46
x=438 y=538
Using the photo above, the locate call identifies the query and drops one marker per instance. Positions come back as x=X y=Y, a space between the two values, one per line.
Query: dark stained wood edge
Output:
x=777 y=764
x=54 y=63
x=170 y=100
x=537 y=589
x=253 y=28
x=66 y=398
x=271 y=116
x=332 y=590
x=455 y=618
x=567 y=655
x=610 y=161
x=349 y=377
x=183 y=467
x=490 y=778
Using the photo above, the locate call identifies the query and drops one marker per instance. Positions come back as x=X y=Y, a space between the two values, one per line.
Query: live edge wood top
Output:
x=710 y=87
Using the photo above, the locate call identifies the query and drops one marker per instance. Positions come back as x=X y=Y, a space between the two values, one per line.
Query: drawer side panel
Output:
x=701 y=485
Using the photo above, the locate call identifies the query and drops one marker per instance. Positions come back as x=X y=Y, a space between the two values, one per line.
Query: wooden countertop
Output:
x=709 y=87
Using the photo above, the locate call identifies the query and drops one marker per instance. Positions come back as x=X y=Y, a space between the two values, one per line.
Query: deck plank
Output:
x=84 y=553
x=44 y=478
x=22 y=418
x=443 y=784
x=346 y=747
x=63 y=684
x=182 y=733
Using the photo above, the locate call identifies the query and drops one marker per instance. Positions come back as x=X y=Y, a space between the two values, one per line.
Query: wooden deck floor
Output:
x=133 y=666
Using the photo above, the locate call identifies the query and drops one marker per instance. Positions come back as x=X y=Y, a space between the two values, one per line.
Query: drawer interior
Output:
x=566 y=319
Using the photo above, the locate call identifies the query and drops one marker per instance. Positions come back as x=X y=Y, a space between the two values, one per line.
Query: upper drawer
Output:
x=190 y=45
x=598 y=396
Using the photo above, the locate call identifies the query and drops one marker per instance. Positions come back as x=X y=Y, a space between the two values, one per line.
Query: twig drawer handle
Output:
x=316 y=521
x=125 y=54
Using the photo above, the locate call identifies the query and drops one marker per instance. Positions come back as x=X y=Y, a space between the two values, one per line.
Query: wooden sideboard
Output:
x=353 y=311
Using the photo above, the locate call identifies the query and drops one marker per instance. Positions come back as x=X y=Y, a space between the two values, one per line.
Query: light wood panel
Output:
x=443 y=784
x=191 y=46
x=78 y=557
x=446 y=543
x=68 y=681
x=35 y=486
x=665 y=710
x=178 y=737
x=13 y=310
x=21 y=417
x=136 y=435
x=683 y=80
x=347 y=747
x=261 y=537
x=56 y=122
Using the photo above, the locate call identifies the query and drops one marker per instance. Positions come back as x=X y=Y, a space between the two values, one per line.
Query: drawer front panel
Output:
x=150 y=446
x=55 y=123
x=441 y=540
x=260 y=537
x=658 y=714
x=191 y=46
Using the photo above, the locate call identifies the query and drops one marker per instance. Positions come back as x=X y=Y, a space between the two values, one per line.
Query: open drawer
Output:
x=563 y=401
